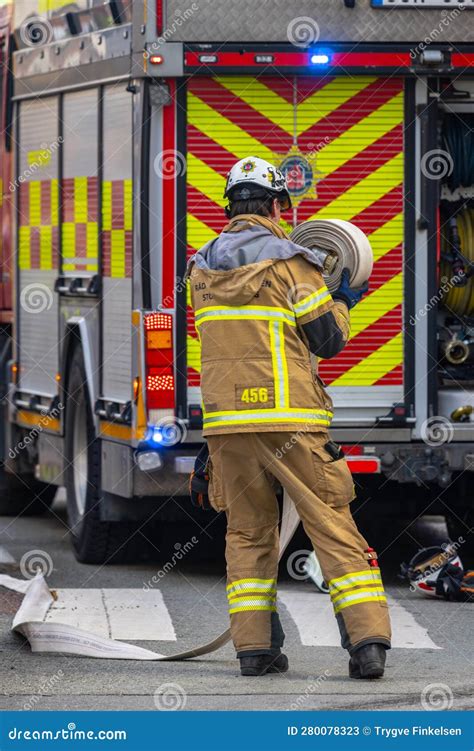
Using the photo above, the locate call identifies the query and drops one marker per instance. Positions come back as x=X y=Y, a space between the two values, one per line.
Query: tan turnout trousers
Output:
x=242 y=468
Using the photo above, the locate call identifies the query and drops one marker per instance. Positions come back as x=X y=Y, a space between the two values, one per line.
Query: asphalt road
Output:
x=431 y=666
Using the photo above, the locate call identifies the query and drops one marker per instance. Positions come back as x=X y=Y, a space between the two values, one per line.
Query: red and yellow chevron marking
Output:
x=117 y=228
x=80 y=234
x=38 y=232
x=354 y=128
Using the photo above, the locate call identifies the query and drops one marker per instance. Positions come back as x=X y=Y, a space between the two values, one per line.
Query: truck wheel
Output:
x=94 y=540
x=24 y=496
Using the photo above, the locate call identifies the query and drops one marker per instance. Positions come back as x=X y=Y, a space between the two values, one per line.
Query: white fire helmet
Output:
x=253 y=177
x=425 y=567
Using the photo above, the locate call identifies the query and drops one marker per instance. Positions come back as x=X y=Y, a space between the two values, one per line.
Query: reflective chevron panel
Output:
x=350 y=133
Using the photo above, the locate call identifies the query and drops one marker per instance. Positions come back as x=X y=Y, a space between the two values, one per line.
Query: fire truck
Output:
x=120 y=121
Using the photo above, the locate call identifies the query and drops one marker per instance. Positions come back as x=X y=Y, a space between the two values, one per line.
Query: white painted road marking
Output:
x=5 y=556
x=314 y=618
x=132 y=614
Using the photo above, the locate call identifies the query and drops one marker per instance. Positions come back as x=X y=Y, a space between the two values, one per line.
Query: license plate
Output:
x=467 y=4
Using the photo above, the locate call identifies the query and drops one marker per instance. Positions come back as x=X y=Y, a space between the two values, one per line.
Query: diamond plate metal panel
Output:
x=324 y=20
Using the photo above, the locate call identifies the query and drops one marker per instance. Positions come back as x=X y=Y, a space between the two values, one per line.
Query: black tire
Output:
x=24 y=496
x=94 y=540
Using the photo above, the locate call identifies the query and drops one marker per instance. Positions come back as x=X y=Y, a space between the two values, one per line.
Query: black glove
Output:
x=348 y=294
x=199 y=481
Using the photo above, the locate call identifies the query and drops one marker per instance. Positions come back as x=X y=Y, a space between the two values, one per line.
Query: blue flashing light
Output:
x=320 y=58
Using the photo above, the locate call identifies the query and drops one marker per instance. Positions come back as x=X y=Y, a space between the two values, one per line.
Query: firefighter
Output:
x=261 y=308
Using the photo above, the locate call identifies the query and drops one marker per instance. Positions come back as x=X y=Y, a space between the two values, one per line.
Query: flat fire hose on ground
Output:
x=63 y=638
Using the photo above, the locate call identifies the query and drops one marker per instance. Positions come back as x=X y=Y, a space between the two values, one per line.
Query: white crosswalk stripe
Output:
x=133 y=614
x=139 y=615
x=314 y=618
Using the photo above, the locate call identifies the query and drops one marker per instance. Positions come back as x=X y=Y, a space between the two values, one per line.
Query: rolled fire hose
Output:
x=63 y=638
x=346 y=245
x=459 y=300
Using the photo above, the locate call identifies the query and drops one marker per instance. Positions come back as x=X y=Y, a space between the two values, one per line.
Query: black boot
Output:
x=368 y=662
x=263 y=664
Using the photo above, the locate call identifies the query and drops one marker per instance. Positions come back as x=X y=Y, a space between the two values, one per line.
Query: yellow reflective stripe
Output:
x=127 y=205
x=198 y=233
x=270 y=416
x=249 y=312
x=374 y=306
x=280 y=367
x=328 y=99
x=375 y=365
x=354 y=594
x=247 y=597
x=263 y=585
x=107 y=205
x=46 y=248
x=350 y=580
x=80 y=200
x=35 y=203
x=260 y=97
x=263 y=308
x=359 y=136
x=387 y=236
x=290 y=411
x=24 y=248
x=364 y=597
x=242 y=608
x=367 y=191
x=312 y=302
x=92 y=244
x=223 y=131
x=117 y=253
x=206 y=180
x=193 y=352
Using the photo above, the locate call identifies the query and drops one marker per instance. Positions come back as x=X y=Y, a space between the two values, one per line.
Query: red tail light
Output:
x=160 y=387
x=160 y=17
